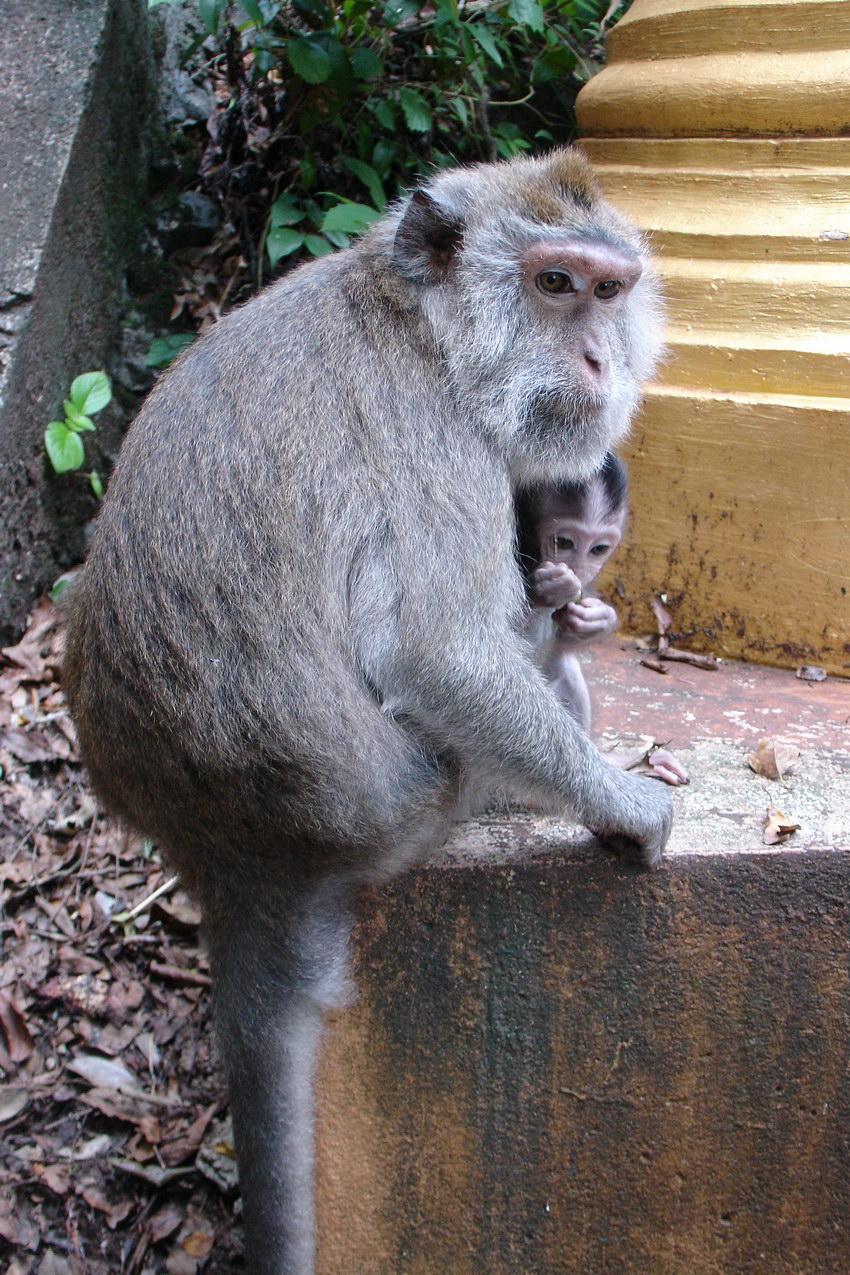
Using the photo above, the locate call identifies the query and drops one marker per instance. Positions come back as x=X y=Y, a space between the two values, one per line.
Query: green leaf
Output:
x=75 y=420
x=211 y=13
x=447 y=14
x=417 y=112
x=527 y=13
x=317 y=245
x=366 y=63
x=96 y=484
x=370 y=180
x=350 y=218
x=309 y=60
x=338 y=238
x=91 y=392
x=552 y=63
x=164 y=349
x=66 y=580
x=282 y=242
x=383 y=156
x=254 y=11
x=461 y=109
x=384 y=114
x=285 y=212
x=487 y=40
x=64 y=447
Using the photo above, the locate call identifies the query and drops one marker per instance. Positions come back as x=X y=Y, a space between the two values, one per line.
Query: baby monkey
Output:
x=571 y=531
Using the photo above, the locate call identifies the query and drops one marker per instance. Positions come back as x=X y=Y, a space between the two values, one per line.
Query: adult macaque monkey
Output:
x=296 y=648
x=566 y=534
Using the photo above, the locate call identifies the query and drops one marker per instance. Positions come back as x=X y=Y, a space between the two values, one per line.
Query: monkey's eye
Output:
x=599 y=550
x=605 y=291
x=563 y=543
x=554 y=281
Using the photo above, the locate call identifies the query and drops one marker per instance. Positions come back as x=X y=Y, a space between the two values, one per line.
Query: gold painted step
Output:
x=702 y=68
x=707 y=360
x=672 y=30
x=803 y=301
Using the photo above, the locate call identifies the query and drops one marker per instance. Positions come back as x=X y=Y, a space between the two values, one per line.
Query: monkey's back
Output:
x=243 y=576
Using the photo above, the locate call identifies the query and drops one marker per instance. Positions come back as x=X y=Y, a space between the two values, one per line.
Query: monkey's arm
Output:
x=488 y=706
x=564 y=674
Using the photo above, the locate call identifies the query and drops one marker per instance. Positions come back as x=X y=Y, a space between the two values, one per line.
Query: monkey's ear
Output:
x=427 y=240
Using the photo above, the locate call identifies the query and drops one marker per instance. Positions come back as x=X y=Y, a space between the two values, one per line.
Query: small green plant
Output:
x=89 y=394
x=163 y=350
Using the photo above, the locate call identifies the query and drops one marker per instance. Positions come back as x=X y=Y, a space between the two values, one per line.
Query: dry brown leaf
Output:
x=777 y=827
x=709 y=661
x=179 y=917
x=18 y=1039
x=198 y=1244
x=179 y=1149
x=663 y=617
x=26 y=657
x=773 y=758
x=165 y=1222
x=12 y=1102
x=55 y=1176
x=29 y=746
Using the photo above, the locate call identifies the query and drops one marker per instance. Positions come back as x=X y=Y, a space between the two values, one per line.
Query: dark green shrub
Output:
x=328 y=109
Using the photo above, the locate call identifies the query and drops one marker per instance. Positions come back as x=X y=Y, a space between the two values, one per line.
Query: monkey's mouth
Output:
x=555 y=409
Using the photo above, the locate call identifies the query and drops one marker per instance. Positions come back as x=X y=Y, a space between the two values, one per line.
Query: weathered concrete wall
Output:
x=559 y=1066
x=73 y=100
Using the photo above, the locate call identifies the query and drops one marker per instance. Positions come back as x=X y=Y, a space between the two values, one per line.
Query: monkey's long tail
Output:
x=277 y=965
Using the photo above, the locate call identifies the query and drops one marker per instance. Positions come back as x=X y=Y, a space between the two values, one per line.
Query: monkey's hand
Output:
x=585 y=619
x=554 y=585
x=643 y=827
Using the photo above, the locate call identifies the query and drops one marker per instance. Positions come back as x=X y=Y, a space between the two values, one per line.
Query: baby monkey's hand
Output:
x=553 y=584
x=585 y=619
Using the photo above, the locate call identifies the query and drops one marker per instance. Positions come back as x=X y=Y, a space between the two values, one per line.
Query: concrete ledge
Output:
x=559 y=1066
x=72 y=98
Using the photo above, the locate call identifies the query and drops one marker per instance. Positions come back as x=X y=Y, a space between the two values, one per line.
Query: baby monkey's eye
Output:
x=605 y=291
x=563 y=543
x=598 y=550
x=554 y=281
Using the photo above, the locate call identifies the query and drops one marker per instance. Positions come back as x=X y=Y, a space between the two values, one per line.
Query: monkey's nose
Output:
x=595 y=363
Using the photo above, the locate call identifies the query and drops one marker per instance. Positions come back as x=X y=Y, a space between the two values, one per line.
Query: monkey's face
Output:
x=579 y=290
x=584 y=538
x=542 y=305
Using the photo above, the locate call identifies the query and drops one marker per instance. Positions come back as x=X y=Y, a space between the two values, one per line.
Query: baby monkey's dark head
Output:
x=580 y=524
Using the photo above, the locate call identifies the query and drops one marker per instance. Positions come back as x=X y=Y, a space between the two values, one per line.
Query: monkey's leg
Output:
x=277 y=966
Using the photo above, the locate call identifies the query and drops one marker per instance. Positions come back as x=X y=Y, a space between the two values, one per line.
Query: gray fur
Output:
x=296 y=650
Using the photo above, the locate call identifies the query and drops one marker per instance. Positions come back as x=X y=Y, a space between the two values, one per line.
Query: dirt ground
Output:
x=115 y=1154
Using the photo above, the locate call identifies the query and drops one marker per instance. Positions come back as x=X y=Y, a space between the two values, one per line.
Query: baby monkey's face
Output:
x=582 y=538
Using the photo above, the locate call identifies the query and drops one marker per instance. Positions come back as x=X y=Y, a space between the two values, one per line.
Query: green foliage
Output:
x=164 y=349
x=89 y=394
x=334 y=100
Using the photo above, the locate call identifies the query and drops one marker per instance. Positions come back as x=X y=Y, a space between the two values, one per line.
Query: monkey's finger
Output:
x=646 y=855
x=667 y=768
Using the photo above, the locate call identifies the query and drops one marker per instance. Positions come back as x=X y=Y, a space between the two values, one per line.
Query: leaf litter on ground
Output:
x=115 y=1152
